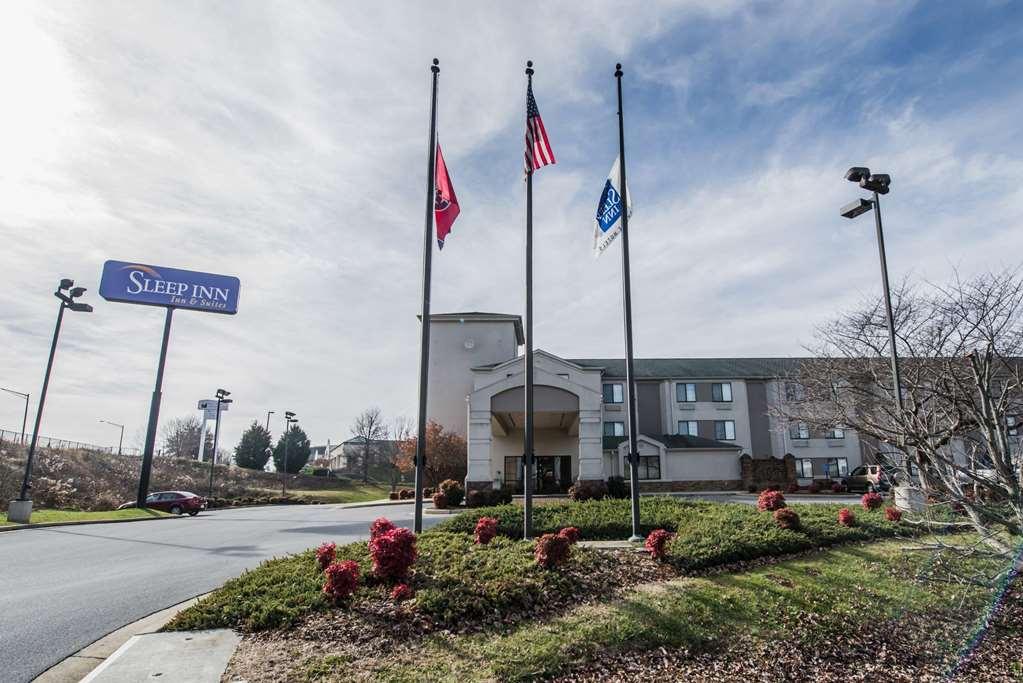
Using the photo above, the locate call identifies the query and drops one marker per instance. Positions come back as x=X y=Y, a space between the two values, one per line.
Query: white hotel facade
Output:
x=697 y=417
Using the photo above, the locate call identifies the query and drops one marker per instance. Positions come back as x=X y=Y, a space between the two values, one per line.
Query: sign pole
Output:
x=630 y=376
x=424 y=338
x=154 y=415
x=202 y=437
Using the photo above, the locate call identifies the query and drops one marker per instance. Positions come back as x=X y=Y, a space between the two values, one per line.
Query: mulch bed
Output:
x=912 y=649
x=371 y=627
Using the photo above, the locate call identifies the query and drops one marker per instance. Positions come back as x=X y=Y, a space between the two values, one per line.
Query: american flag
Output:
x=538 y=147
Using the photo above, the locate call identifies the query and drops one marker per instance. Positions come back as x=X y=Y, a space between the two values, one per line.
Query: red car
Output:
x=174 y=502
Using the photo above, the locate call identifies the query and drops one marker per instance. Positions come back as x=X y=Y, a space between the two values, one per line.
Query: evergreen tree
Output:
x=250 y=452
x=298 y=450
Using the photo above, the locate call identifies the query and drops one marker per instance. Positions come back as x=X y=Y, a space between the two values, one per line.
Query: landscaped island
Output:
x=468 y=600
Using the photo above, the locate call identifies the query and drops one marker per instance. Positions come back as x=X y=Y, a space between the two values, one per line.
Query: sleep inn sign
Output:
x=136 y=283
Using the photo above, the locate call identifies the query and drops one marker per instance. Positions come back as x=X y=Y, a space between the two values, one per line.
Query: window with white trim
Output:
x=685 y=392
x=721 y=392
x=804 y=468
x=799 y=430
x=724 y=430
x=836 y=433
x=614 y=429
x=688 y=428
x=614 y=392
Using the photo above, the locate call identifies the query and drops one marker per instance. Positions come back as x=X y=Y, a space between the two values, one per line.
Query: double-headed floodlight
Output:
x=875 y=182
x=222 y=394
x=289 y=419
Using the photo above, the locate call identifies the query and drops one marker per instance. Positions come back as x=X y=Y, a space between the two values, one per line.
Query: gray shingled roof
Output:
x=696 y=368
x=674 y=442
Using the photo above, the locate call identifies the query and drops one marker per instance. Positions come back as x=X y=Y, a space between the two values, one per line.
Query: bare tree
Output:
x=369 y=426
x=181 y=438
x=961 y=350
x=401 y=430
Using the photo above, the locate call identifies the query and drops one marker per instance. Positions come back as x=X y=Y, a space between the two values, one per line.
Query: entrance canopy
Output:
x=553 y=408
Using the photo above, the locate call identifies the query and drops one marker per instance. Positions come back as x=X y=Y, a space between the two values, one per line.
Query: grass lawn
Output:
x=47 y=516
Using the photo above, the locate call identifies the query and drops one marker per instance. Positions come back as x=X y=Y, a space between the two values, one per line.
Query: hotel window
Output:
x=794 y=392
x=1012 y=425
x=799 y=430
x=804 y=468
x=687 y=428
x=614 y=393
x=685 y=392
x=614 y=429
x=721 y=392
x=836 y=467
x=512 y=470
x=836 y=433
x=724 y=430
x=649 y=467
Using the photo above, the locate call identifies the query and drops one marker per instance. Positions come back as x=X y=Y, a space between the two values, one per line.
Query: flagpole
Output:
x=527 y=447
x=424 y=339
x=630 y=375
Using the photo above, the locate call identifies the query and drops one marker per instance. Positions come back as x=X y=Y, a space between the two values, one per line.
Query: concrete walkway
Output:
x=193 y=656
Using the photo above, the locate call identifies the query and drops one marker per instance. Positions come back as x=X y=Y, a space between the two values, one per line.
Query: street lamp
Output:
x=24 y=417
x=222 y=398
x=268 y=414
x=878 y=184
x=120 y=440
x=20 y=510
x=289 y=419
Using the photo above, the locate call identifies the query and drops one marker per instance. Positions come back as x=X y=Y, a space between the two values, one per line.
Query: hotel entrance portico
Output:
x=567 y=425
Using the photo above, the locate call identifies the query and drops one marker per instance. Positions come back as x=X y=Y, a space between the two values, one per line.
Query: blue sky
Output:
x=284 y=143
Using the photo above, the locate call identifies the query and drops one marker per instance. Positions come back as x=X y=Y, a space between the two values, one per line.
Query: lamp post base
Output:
x=19 y=511
x=636 y=539
x=909 y=498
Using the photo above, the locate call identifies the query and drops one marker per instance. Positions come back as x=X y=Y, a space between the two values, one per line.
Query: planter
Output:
x=909 y=499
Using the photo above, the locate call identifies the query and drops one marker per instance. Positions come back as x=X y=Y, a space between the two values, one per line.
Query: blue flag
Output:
x=608 y=222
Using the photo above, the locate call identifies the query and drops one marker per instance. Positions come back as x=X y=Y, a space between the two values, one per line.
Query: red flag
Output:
x=445 y=205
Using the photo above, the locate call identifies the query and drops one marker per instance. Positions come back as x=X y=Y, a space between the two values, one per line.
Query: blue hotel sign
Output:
x=137 y=283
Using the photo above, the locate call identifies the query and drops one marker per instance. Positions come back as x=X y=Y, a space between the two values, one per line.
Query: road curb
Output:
x=374 y=503
x=85 y=522
x=74 y=668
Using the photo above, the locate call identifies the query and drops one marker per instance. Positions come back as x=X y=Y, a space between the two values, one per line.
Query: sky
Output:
x=285 y=143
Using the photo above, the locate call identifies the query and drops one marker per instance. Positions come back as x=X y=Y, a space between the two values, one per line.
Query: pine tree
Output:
x=298 y=451
x=251 y=451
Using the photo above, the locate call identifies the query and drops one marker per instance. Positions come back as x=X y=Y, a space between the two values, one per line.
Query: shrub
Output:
x=501 y=496
x=393 y=553
x=440 y=501
x=393 y=495
x=814 y=487
x=477 y=498
x=588 y=489
x=341 y=580
x=837 y=487
x=752 y=488
x=657 y=543
x=325 y=555
x=486 y=529
x=892 y=514
x=453 y=491
x=405 y=494
x=770 y=500
x=402 y=592
x=428 y=492
x=793 y=487
x=569 y=533
x=380 y=525
x=617 y=488
x=786 y=518
x=871 y=501
x=551 y=550
x=846 y=517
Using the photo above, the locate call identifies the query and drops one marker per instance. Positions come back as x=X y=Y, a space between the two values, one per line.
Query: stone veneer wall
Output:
x=763 y=472
x=677 y=486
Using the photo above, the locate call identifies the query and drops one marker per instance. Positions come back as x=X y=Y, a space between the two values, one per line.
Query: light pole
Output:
x=24 y=417
x=289 y=419
x=20 y=510
x=121 y=439
x=268 y=414
x=222 y=398
x=879 y=184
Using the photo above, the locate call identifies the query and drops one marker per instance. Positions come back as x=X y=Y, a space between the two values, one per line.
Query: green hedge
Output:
x=708 y=534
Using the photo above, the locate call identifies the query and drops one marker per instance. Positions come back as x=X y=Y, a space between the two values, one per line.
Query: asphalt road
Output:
x=62 y=588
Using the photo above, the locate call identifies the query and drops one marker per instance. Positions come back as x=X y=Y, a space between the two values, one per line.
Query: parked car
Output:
x=867 y=478
x=174 y=502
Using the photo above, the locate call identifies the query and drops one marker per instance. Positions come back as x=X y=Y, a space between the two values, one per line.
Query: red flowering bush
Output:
x=551 y=550
x=486 y=529
x=657 y=543
x=770 y=500
x=871 y=501
x=786 y=518
x=846 y=517
x=402 y=592
x=570 y=534
x=341 y=580
x=892 y=514
x=837 y=487
x=440 y=501
x=380 y=525
x=393 y=553
x=325 y=555
x=793 y=487
x=393 y=495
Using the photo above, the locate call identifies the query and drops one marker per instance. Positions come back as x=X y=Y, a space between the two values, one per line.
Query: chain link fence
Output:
x=14 y=437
